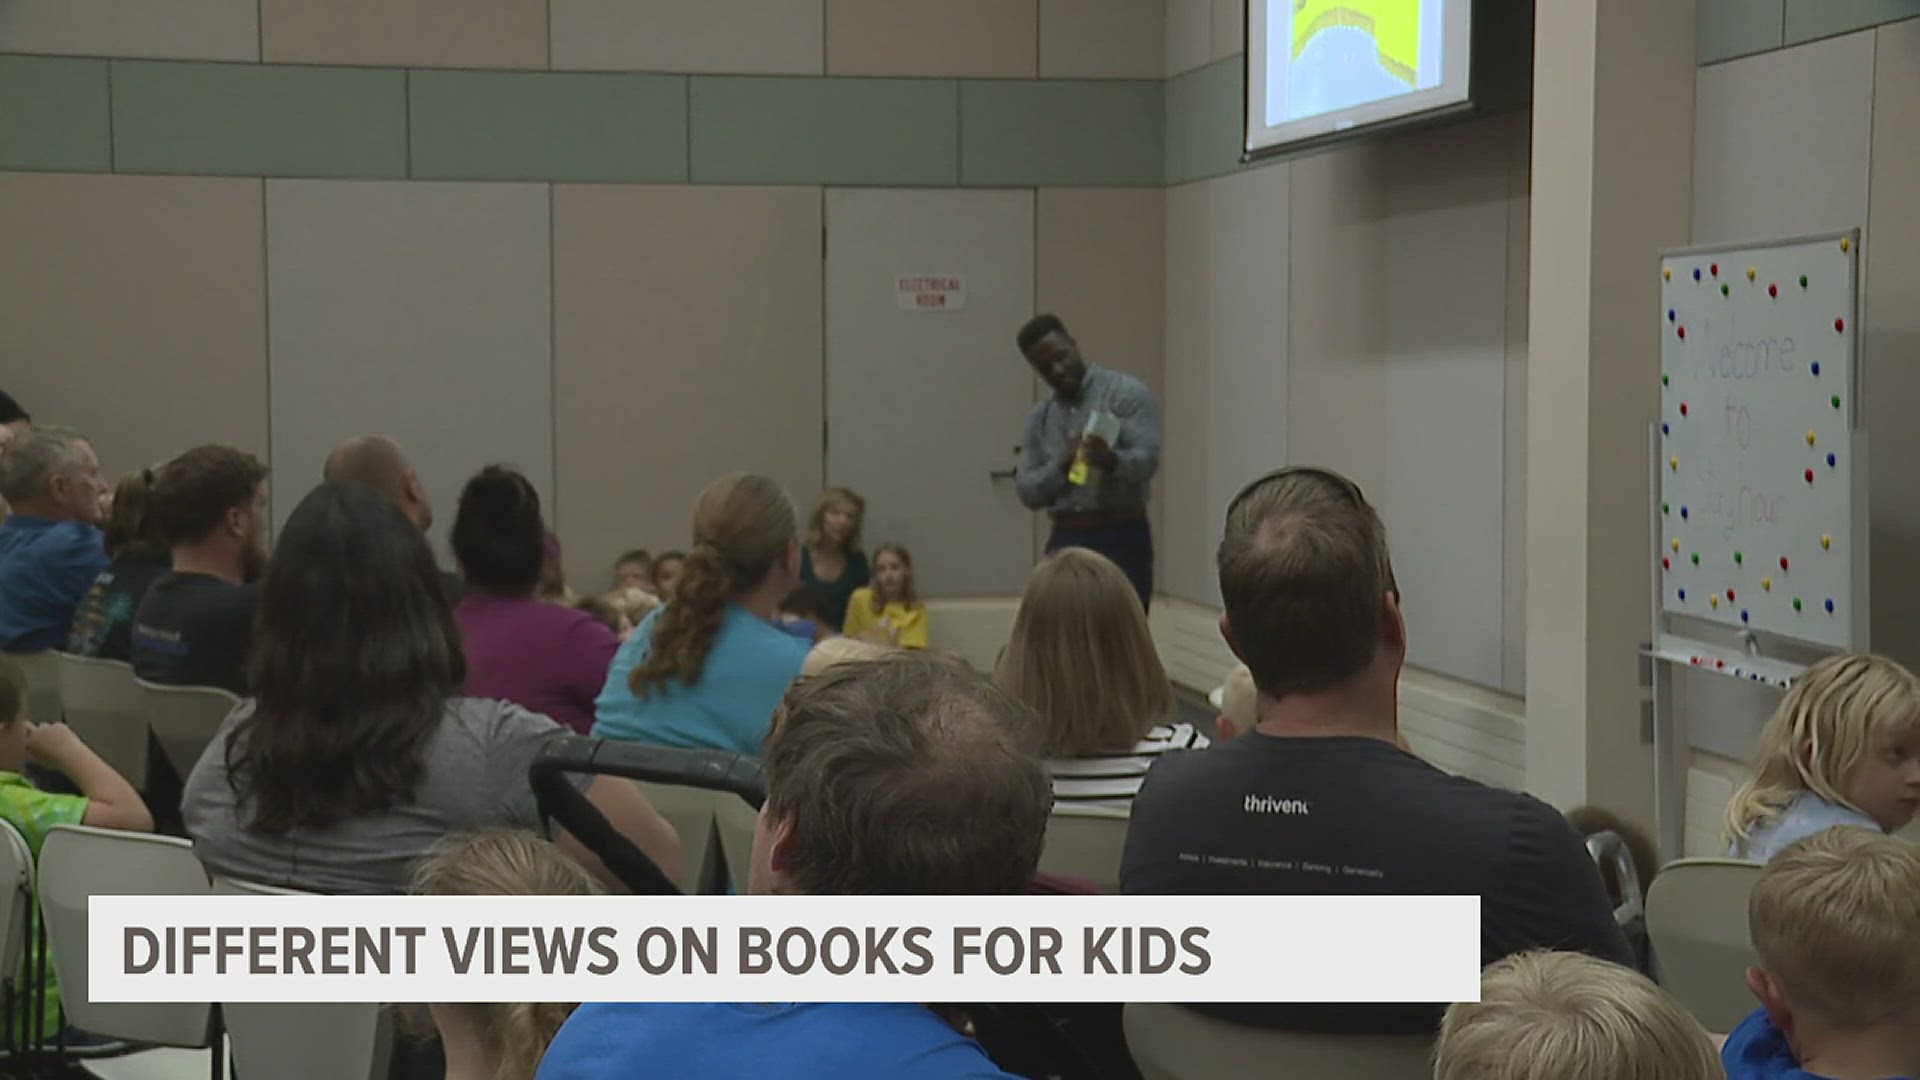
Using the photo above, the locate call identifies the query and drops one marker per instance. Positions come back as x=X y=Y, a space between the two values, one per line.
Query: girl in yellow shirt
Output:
x=887 y=612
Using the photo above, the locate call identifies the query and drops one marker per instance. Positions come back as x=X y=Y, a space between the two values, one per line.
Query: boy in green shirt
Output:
x=106 y=799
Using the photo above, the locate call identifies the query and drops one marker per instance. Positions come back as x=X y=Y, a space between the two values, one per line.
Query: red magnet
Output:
x=1730 y=595
x=1809 y=476
x=1666 y=564
x=1839 y=326
x=1683 y=333
x=1783 y=562
x=1773 y=290
x=1716 y=269
x=1683 y=408
x=1720 y=664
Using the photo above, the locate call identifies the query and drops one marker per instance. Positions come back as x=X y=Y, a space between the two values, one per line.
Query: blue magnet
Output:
x=1696 y=273
x=1743 y=616
x=1829 y=607
x=1683 y=592
x=1683 y=512
x=1665 y=430
x=1831 y=461
x=1816 y=367
x=1672 y=315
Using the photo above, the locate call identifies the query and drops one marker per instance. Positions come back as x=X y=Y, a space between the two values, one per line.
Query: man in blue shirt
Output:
x=50 y=546
x=907 y=778
x=1093 y=487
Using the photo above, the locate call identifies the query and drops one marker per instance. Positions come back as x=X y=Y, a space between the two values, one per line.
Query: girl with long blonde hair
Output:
x=707 y=670
x=1083 y=659
x=1843 y=748
x=499 y=1040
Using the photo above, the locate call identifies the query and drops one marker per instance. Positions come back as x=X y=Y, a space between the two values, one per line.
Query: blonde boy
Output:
x=1566 y=1016
x=1835 y=920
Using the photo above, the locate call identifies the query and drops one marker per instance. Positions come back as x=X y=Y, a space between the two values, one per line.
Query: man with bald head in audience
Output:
x=1316 y=799
x=379 y=463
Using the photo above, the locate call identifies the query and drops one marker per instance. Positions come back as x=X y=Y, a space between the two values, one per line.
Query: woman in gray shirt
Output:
x=358 y=752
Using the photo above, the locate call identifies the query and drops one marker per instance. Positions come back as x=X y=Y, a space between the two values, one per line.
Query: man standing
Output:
x=1090 y=451
x=195 y=625
x=50 y=548
x=902 y=776
x=1317 y=799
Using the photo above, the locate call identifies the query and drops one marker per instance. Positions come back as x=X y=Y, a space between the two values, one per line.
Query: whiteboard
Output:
x=1762 y=520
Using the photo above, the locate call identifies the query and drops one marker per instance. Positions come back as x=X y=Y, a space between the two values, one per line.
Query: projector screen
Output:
x=1317 y=68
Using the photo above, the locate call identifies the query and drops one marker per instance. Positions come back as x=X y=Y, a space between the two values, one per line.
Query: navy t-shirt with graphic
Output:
x=195 y=630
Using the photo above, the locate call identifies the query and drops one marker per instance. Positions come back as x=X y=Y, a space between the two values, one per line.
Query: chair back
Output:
x=690 y=811
x=1172 y=1042
x=185 y=719
x=43 y=685
x=735 y=821
x=1697 y=919
x=102 y=700
x=16 y=902
x=330 y=1041
x=1085 y=846
x=77 y=862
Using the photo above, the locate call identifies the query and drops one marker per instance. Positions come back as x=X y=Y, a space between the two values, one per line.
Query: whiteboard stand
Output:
x=1755 y=340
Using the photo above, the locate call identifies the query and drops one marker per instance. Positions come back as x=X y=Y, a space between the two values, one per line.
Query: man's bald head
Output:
x=378 y=462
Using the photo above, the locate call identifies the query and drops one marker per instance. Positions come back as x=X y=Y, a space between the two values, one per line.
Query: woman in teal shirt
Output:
x=707 y=670
x=832 y=565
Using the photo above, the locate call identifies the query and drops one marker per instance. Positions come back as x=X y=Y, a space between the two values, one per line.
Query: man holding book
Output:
x=1091 y=449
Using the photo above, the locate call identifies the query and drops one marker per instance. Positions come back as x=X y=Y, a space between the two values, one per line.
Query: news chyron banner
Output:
x=783 y=948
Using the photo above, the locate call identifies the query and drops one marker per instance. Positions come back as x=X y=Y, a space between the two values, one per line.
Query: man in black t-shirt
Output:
x=1317 y=799
x=194 y=625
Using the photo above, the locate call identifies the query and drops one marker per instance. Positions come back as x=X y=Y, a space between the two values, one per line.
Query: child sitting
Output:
x=834 y=651
x=1843 y=748
x=800 y=614
x=106 y=799
x=501 y=1041
x=1835 y=920
x=1567 y=1016
x=666 y=574
x=633 y=570
x=887 y=612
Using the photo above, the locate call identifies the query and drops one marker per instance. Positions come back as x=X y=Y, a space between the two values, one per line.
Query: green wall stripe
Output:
x=259 y=119
x=1729 y=28
x=1205 y=112
x=1062 y=133
x=1808 y=20
x=53 y=114
x=548 y=126
x=776 y=130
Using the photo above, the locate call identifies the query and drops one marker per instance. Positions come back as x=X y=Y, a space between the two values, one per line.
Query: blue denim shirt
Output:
x=1055 y=423
x=46 y=568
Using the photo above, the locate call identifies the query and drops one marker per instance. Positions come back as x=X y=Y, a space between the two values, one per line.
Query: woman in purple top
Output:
x=543 y=657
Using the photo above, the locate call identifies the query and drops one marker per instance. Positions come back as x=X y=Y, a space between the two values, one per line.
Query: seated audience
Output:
x=633 y=605
x=378 y=462
x=545 y=657
x=1835 y=919
x=1564 y=1016
x=103 y=625
x=1083 y=660
x=195 y=624
x=105 y=800
x=505 y=1040
x=633 y=570
x=1843 y=748
x=831 y=563
x=358 y=751
x=707 y=670
x=666 y=575
x=896 y=777
x=50 y=546
x=604 y=613
x=799 y=615
x=834 y=651
x=1317 y=800
x=888 y=612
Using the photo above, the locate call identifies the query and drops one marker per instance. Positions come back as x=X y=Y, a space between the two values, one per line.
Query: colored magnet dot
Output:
x=1696 y=273
x=1726 y=289
x=1738 y=558
x=1796 y=603
x=1666 y=508
x=1783 y=562
x=1683 y=333
x=1667 y=273
x=1683 y=592
x=1714 y=601
x=1683 y=408
x=1665 y=379
x=1809 y=475
x=1810 y=438
x=1731 y=597
x=1753 y=272
x=1766 y=584
x=1676 y=545
x=1773 y=291
x=1815 y=369
x=1836 y=401
x=1826 y=542
x=1665 y=430
x=1743 y=618
x=1673 y=462
x=1846 y=244
x=1666 y=564
x=1683 y=513
x=1803 y=281
x=1839 y=326
x=1716 y=269
x=1829 y=607
x=1720 y=665
x=1696 y=558
x=1832 y=460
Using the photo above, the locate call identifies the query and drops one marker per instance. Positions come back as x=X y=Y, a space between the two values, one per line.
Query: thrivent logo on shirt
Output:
x=1267 y=804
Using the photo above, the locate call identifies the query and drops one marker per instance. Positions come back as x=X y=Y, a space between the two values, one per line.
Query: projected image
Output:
x=1344 y=53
